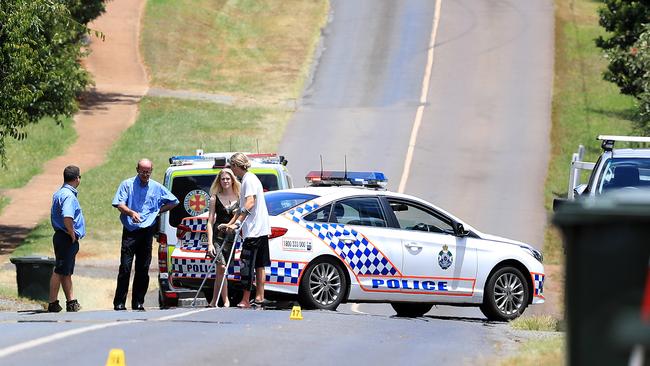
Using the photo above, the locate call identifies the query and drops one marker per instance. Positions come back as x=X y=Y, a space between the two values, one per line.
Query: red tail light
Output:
x=181 y=230
x=277 y=232
x=162 y=256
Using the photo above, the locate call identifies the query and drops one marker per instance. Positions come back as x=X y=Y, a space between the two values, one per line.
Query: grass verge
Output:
x=544 y=323
x=259 y=49
x=546 y=351
x=584 y=105
x=25 y=158
x=164 y=127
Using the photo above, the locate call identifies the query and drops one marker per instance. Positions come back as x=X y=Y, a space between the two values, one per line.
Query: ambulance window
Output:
x=192 y=192
x=269 y=181
x=411 y=216
x=364 y=211
x=320 y=215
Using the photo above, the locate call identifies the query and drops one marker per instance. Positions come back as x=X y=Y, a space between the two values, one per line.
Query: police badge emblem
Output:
x=445 y=258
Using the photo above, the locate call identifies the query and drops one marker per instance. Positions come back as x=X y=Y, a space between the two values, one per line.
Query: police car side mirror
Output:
x=459 y=229
x=580 y=189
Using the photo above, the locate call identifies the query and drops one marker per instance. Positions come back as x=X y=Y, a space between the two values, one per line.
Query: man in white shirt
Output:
x=253 y=219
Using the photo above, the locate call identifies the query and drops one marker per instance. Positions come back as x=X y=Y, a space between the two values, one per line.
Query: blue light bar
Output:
x=338 y=178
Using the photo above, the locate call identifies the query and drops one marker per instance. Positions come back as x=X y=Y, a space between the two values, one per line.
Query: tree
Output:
x=625 y=20
x=40 y=46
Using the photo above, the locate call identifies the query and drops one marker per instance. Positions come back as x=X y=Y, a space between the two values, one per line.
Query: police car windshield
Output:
x=279 y=201
x=624 y=172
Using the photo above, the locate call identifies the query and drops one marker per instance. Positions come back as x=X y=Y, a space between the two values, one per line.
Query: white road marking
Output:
x=55 y=337
x=355 y=309
x=69 y=333
x=423 y=99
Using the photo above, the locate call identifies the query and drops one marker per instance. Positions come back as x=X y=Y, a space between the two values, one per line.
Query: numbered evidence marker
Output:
x=116 y=358
x=296 y=313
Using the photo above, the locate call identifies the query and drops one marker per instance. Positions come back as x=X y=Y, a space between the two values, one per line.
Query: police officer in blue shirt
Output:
x=69 y=226
x=139 y=200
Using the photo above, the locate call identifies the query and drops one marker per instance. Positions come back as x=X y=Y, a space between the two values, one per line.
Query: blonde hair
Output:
x=216 y=187
x=240 y=160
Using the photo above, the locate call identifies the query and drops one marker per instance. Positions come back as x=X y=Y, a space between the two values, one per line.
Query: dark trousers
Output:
x=138 y=244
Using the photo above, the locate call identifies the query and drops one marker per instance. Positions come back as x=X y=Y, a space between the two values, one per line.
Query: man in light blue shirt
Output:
x=139 y=200
x=69 y=226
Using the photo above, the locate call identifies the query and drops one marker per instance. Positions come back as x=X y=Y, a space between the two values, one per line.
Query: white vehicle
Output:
x=343 y=244
x=189 y=179
x=615 y=168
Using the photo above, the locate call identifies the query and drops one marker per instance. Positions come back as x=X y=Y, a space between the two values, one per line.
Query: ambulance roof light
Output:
x=342 y=178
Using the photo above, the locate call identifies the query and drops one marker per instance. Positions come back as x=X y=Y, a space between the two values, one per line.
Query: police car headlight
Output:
x=535 y=253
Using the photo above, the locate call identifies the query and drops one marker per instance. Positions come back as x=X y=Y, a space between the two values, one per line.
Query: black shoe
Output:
x=138 y=307
x=72 y=306
x=119 y=307
x=54 y=307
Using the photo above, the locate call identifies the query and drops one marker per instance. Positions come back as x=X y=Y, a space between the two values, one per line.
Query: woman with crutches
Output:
x=224 y=202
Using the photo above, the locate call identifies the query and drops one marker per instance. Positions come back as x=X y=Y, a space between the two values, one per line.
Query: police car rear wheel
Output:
x=411 y=310
x=506 y=295
x=323 y=285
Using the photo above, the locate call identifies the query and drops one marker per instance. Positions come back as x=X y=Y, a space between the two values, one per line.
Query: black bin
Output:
x=33 y=276
x=607 y=246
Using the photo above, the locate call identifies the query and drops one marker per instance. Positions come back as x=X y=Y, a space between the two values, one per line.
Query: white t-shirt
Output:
x=257 y=223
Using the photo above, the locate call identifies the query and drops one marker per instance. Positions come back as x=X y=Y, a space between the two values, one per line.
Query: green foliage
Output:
x=640 y=60
x=40 y=73
x=84 y=11
x=625 y=21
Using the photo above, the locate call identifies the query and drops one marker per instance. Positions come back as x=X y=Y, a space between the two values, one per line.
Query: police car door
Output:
x=371 y=250
x=437 y=264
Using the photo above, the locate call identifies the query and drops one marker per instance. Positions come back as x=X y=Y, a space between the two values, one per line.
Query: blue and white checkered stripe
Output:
x=279 y=272
x=284 y=272
x=538 y=281
x=194 y=241
x=196 y=223
x=361 y=255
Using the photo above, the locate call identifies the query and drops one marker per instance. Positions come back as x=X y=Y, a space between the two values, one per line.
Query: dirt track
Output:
x=107 y=110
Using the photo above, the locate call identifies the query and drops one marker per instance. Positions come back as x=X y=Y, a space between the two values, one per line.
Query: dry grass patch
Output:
x=258 y=49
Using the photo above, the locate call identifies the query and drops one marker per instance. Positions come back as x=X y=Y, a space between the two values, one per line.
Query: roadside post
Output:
x=33 y=276
x=607 y=245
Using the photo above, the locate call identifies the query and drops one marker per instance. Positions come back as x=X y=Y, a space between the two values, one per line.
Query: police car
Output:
x=345 y=244
x=189 y=179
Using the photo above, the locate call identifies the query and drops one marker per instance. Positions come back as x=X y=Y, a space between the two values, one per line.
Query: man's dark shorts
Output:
x=263 y=258
x=65 y=252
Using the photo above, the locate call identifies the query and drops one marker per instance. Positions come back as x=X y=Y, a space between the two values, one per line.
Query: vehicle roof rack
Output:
x=609 y=140
x=337 y=178
x=222 y=159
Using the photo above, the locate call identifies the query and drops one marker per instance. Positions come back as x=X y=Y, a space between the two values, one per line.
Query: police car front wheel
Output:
x=506 y=295
x=323 y=285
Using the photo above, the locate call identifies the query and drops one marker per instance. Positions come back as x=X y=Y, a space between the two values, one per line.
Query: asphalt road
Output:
x=249 y=337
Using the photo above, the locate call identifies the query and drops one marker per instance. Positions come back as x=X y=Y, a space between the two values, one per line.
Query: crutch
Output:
x=210 y=269
x=225 y=271
x=212 y=266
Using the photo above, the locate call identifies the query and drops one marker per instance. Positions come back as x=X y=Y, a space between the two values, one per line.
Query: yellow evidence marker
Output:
x=116 y=358
x=296 y=313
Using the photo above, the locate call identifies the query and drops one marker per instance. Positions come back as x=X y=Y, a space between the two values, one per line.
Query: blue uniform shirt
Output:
x=66 y=204
x=146 y=201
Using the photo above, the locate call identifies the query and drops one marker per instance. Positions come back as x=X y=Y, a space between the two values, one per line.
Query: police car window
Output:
x=364 y=211
x=320 y=215
x=278 y=202
x=411 y=216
